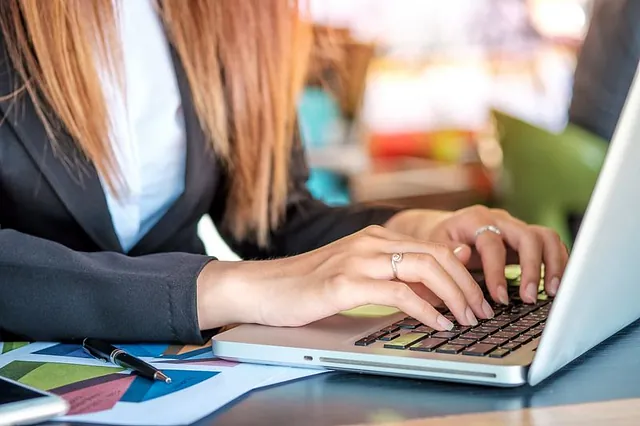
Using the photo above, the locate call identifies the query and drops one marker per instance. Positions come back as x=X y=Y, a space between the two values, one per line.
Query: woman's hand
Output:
x=354 y=271
x=492 y=234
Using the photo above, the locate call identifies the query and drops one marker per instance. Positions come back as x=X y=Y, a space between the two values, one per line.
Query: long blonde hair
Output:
x=245 y=61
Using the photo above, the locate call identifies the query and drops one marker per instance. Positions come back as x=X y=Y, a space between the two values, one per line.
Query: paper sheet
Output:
x=102 y=393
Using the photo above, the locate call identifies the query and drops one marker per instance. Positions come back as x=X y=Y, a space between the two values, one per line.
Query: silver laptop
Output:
x=599 y=295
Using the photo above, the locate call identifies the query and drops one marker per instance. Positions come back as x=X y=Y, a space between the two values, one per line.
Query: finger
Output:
x=447 y=257
x=426 y=294
x=450 y=261
x=383 y=235
x=463 y=278
x=425 y=268
x=398 y=295
x=463 y=253
x=529 y=245
x=555 y=257
x=493 y=253
x=439 y=264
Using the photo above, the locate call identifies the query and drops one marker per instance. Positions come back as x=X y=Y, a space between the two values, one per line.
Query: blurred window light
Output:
x=560 y=18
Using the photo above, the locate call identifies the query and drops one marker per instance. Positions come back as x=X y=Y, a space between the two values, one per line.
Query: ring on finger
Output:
x=488 y=228
x=395 y=259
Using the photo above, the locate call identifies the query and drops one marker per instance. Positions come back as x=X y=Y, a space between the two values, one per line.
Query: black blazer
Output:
x=63 y=274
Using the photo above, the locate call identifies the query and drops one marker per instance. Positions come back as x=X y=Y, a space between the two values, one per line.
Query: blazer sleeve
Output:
x=51 y=293
x=309 y=223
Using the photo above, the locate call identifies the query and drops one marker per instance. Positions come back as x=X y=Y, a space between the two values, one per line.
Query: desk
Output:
x=616 y=413
x=605 y=382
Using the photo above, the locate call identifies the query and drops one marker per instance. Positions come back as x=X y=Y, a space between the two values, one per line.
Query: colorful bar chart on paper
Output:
x=91 y=389
x=6 y=347
x=162 y=353
x=139 y=350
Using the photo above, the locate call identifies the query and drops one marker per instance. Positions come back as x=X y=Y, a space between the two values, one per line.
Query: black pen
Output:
x=105 y=352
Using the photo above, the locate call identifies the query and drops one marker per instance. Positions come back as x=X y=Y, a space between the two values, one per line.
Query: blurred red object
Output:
x=445 y=145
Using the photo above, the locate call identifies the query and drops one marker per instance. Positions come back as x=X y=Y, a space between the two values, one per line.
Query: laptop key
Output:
x=514 y=329
x=391 y=329
x=528 y=321
x=408 y=323
x=499 y=323
x=495 y=341
x=450 y=317
x=364 y=341
x=520 y=309
x=445 y=335
x=505 y=335
x=522 y=339
x=449 y=349
x=428 y=344
x=499 y=353
x=486 y=329
x=512 y=346
x=473 y=335
x=425 y=329
x=479 y=349
x=510 y=317
x=462 y=342
x=379 y=335
x=404 y=341
x=497 y=308
x=389 y=337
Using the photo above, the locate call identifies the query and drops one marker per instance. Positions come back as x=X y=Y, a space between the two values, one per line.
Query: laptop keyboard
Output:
x=512 y=327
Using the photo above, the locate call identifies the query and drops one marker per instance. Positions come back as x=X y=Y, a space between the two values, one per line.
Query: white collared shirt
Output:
x=148 y=137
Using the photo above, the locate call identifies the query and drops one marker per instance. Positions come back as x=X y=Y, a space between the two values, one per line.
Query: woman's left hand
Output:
x=483 y=237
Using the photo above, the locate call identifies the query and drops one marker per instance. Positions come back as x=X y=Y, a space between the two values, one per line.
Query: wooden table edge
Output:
x=619 y=412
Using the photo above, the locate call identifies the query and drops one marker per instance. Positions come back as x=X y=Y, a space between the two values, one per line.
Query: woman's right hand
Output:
x=351 y=272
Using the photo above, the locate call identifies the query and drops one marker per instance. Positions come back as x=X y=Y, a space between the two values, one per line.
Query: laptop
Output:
x=524 y=344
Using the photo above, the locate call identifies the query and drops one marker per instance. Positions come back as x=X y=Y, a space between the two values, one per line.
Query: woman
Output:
x=125 y=123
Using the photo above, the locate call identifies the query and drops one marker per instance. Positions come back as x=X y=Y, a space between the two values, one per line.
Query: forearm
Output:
x=49 y=292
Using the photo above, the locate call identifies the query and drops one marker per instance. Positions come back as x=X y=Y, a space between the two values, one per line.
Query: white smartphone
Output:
x=23 y=405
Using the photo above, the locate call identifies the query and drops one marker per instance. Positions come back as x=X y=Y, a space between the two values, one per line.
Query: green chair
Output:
x=547 y=177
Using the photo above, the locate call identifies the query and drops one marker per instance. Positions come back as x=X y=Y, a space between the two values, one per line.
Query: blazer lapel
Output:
x=79 y=187
x=72 y=177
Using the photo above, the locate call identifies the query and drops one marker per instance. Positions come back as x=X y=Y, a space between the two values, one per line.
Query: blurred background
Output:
x=445 y=104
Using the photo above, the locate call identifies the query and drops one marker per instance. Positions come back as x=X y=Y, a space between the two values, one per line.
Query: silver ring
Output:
x=395 y=259
x=489 y=228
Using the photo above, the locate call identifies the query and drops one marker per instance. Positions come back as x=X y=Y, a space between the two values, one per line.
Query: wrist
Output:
x=220 y=295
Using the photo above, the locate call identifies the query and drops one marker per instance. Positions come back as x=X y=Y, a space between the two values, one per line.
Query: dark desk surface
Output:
x=610 y=372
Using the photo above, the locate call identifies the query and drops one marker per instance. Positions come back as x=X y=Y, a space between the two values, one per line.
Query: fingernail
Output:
x=488 y=312
x=503 y=297
x=471 y=317
x=554 y=285
x=532 y=292
x=444 y=323
x=457 y=250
